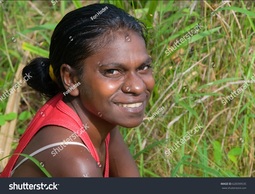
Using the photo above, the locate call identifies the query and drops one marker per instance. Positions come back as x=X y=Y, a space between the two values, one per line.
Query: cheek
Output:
x=100 y=89
x=111 y=86
x=107 y=88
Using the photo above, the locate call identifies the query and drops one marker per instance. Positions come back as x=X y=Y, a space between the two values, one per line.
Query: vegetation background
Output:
x=190 y=82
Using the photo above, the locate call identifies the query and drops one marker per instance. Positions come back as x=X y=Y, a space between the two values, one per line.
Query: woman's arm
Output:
x=70 y=161
x=122 y=163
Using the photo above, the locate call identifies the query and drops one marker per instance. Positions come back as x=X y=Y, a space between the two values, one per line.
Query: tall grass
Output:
x=190 y=82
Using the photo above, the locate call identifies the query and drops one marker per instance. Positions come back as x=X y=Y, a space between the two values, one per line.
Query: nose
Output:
x=134 y=84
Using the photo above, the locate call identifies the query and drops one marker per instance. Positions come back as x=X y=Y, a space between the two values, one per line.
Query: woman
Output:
x=98 y=76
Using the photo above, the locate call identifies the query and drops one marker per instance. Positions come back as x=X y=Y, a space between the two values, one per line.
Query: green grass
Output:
x=190 y=82
x=35 y=161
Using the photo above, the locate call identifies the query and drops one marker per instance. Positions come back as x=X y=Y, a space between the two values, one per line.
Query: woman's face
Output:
x=117 y=81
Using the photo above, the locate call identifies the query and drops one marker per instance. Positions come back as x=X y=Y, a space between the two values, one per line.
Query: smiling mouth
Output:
x=133 y=105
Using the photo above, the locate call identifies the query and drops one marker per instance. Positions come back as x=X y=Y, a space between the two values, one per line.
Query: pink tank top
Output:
x=56 y=112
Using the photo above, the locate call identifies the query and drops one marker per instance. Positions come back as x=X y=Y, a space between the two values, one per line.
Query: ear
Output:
x=69 y=80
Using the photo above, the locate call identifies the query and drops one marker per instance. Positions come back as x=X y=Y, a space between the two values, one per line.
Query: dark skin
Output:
x=115 y=87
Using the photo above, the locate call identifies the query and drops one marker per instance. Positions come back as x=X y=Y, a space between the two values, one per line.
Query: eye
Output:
x=145 y=67
x=112 y=72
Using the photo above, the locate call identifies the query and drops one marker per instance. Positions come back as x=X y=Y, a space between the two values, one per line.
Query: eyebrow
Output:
x=147 y=61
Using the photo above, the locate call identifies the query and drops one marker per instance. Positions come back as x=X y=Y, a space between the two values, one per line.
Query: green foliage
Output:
x=34 y=160
x=35 y=50
x=25 y=115
x=233 y=153
x=7 y=117
x=217 y=154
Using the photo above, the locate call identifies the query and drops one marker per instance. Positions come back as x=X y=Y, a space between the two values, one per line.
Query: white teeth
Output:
x=135 y=105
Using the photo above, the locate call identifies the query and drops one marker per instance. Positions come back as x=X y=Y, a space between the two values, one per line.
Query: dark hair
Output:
x=77 y=36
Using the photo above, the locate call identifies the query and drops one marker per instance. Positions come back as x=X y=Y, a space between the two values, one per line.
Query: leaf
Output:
x=77 y=4
x=139 y=12
x=10 y=116
x=189 y=108
x=202 y=35
x=229 y=173
x=213 y=172
x=150 y=173
x=40 y=27
x=179 y=164
x=217 y=152
x=235 y=151
x=151 y=12
x=24 y=115
x=35 y=50
x=233 y=159
x=35 y=161
x=21 y=131
x=238 y=9
x=2 y=120
x=221 y=81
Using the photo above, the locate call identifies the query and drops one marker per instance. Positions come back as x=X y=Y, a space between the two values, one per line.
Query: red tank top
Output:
x=56 y=112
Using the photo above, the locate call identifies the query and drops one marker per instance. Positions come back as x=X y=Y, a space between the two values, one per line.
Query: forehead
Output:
x=126 y=47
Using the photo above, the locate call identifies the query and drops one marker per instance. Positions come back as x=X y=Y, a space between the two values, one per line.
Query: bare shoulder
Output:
x=63 y=160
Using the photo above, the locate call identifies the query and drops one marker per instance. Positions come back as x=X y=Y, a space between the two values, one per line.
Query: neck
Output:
x=97 y=127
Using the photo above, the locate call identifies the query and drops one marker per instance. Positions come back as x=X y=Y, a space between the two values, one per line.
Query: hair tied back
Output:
x=52 y=75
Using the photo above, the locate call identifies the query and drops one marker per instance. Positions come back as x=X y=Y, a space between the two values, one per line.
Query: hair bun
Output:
x=40 y=79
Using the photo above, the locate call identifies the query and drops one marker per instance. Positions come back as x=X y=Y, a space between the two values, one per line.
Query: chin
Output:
x=131 y=124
